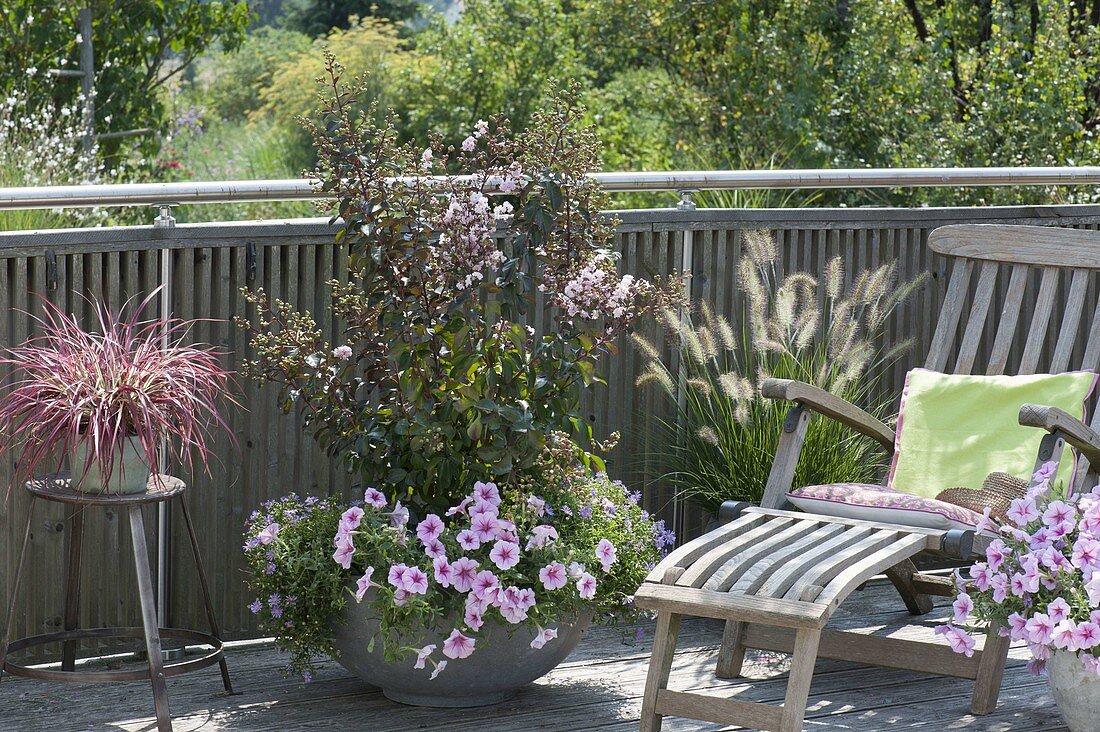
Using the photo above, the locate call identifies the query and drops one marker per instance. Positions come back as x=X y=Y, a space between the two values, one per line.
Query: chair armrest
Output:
x=1075 y=432
x=831 y=406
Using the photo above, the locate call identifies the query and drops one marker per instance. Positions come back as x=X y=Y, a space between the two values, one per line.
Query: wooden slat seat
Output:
x=776 y=576
x=809 y=585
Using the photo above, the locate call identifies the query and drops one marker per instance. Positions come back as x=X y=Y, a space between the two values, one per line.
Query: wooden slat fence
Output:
x=210 y=263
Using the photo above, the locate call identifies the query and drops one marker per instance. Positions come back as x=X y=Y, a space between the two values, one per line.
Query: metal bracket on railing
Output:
x=686 y=203
x=165 y=220
x=51 y=269
x=250 y=260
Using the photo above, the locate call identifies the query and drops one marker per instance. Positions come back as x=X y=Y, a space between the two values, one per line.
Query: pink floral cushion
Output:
x=882 y=504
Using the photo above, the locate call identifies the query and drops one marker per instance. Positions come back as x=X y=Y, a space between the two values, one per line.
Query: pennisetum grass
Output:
x=723 y=434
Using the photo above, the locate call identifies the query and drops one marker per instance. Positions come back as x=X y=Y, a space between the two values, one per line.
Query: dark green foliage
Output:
x=317 y=17
x=443 y=380
x=139 y=46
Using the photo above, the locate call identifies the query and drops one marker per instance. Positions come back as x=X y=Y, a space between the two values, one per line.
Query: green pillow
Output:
x=954 y=429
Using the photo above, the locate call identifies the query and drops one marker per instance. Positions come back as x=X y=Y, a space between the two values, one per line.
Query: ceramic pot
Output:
x=130 y=474
x=1076 y=690
x=502 y=662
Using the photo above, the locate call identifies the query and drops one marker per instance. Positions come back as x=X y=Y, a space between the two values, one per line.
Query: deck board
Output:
x=598 y=688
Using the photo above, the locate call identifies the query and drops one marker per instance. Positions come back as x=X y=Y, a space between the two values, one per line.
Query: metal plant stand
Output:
x=161 y=488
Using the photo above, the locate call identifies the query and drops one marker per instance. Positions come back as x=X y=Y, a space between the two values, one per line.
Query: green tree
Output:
x=496 y=58
x=317 y=17
x=229 y=84
x=140 y=45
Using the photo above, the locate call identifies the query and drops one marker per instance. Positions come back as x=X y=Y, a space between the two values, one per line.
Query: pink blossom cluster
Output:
x=488 y=545
x=466 y=249
x=1040 y=580
x=596 y=291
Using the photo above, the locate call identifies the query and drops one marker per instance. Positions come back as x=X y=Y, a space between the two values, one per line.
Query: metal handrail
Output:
x=153 y=194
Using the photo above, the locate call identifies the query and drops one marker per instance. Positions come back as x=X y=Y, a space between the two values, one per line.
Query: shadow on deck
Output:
x=598 y=688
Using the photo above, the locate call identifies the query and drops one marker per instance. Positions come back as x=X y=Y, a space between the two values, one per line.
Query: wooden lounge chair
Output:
x=776 y=576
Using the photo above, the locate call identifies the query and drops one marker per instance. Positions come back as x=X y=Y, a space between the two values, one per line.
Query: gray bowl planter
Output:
x=502 y=662
x=1076 y=691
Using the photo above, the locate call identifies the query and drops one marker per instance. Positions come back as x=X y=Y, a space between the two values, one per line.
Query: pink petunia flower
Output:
x=999 y=584
x=464 y=572
x=342 y=555
x=960 y=641
x=1086 y=635
x=553 y=576
x=1092 y=589
x=438 y=669
x=399 y=516
x=396 y=576
x=484 y=584
x=962 y=606
x=541 y=536
x=536 y=506
x=444 y=572
x=1036 y=666
x=515 y=603
x=1064 y=635
x=435 y=548
x=484 y=527
x=484 y=508
x=505 y=530
x=268 y=534
x=544 y=637
x=352 y=517
x=487 y=492
x=458 y=645
x=415 y=581
x=1058 y=610
x=1017 y=627
x=374 y=498
x=996 y=553
x=986 y=524
x=505 y=554
x=363 y=584
x=468 y=540
x=1022 y=511
x=981 y=575
x=460 y=508
x=605 y=552
x=400 y=597
x=1086 y=553
x=473 y=618
x=1091 y=663
x=429 y=529
x=1039 y=628
x=422 y=655
x=586 y=586
x=1060 y=517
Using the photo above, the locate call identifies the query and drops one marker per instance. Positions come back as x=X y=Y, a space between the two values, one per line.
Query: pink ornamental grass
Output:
x=98 y=388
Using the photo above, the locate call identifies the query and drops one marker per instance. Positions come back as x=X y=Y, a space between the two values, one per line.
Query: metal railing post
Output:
x=687 y=263
x=164 y=220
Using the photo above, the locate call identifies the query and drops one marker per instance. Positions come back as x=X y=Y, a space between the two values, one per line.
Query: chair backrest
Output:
x=995 y=270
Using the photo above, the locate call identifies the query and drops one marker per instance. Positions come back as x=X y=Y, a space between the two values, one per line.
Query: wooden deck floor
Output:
x=598 y=688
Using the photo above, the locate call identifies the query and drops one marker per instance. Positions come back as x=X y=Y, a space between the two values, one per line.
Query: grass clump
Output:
x=722 y=435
